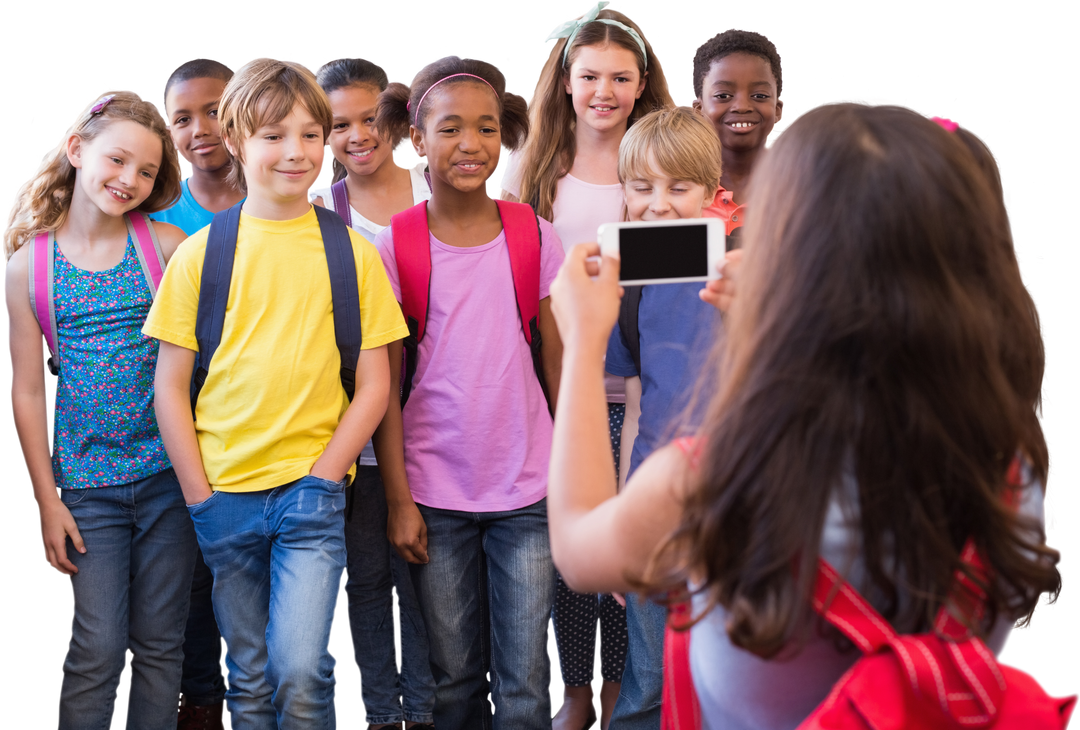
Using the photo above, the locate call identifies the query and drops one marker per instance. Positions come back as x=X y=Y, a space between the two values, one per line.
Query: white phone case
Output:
x=608 y=236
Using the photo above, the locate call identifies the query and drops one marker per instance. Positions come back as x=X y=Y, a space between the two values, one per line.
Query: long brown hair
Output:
x=42 y=203
x=882 y=333
x=549 y=153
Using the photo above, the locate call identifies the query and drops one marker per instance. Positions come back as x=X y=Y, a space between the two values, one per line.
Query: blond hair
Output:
x=42 y=203
x=549 y=153
x=680 y=142
x=264 y=92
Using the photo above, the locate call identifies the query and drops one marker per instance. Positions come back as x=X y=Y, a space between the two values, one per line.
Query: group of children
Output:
x=364 y=378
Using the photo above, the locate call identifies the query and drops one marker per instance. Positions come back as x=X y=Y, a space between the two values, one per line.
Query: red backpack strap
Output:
x=40 y=269
x=147 y=248
x=680 y=708
x=522 y=230
x=412 y=252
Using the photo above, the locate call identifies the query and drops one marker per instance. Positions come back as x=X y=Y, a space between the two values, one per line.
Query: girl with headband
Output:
x=464 y=462
x=601 y=77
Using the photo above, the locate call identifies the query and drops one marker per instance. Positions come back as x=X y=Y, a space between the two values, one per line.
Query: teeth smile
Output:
x=118 y=194
x=742 y=125
x=362 y=155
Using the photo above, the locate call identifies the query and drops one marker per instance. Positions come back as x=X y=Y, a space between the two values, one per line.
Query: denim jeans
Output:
x=502 y=559
x=202 y=683
x=131 y=592
x=374 y=569
x=277 y=557
x=638 y=706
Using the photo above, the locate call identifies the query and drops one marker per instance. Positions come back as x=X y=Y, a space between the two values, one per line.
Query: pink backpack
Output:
x=944 y=680
x=42 y=266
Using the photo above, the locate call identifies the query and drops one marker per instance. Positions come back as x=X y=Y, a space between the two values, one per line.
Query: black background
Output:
x=983 y=73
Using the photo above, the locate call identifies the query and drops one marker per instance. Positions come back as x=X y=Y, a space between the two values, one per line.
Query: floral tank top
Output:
x=105 y=429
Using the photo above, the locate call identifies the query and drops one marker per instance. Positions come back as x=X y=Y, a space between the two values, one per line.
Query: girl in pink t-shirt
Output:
x=465 y=461
x=601 y=77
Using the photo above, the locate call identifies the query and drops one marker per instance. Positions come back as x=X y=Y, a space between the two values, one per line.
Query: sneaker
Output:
x=199 y=717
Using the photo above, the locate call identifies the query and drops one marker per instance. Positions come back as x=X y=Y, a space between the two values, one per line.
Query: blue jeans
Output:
x=131 y=592
x=638 y=706
x=202 y=683
x=374 y=569
x=488 y=567
x=277 y=557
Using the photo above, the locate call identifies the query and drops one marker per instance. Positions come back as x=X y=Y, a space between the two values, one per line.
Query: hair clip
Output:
x=947 y=124
x=102 y=103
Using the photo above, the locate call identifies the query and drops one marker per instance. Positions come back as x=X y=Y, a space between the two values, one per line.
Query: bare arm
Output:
x=599 y=541
x=405 y=526
x=170 y=237
x=551 y=351
x=361 y=417
x=172 y=404
x=31 y=421
x=630 y=426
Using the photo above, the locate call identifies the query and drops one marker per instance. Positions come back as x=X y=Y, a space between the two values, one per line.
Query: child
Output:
x=467 y=507
x=119 y=527
x=275 y=439
x=669 y=163
x=192 y=97
x=600 y=78
x=880 y=372
x=370 y=188
x=738 y=80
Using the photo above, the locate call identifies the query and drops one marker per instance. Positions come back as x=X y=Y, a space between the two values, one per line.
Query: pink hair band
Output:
x=947 y=124
x=446 y=78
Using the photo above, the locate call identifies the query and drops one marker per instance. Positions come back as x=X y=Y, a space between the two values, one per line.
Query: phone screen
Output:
x=664 y=252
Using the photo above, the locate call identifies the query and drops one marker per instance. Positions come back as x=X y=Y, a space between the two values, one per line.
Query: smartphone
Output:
x=665 y=252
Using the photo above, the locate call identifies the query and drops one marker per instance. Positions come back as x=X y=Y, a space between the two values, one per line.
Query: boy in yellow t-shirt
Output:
x=275 y=437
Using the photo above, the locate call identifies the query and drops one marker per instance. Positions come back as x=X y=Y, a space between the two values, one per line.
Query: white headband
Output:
x=569 y=27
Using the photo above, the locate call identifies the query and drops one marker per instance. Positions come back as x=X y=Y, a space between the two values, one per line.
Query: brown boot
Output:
x=199 y=717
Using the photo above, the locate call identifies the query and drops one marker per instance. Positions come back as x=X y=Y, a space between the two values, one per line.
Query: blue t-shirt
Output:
x=676 y=332
x=186 y=214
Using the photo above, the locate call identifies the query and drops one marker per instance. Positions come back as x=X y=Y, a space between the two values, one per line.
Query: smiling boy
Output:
x=275 y=437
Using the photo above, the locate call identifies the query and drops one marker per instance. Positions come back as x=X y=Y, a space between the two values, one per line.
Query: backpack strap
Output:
x=40 y=269
x=345 y=292
x=214 y=293
x=628 y=322
x=412 y=252
x=524 y=241
x=680 y=708
x=217 y=280
x=340 y=195
x=147 y=248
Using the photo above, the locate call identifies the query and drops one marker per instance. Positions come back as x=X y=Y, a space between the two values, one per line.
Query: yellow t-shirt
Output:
x=273 y=396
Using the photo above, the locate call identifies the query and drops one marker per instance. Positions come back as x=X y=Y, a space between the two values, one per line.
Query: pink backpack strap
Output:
x=340 y=195
x=41 y=268
x=523 y=241
x=680 y=708
x=147 y=248
x=412 y=253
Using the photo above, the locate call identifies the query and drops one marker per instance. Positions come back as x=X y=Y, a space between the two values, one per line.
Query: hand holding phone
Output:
x=665 y=252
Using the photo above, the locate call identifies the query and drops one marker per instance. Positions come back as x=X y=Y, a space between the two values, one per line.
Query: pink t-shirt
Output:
x=477 y=426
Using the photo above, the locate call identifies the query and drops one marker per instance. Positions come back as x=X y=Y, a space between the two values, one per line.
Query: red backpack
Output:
x=412 y=251
x=945 y=680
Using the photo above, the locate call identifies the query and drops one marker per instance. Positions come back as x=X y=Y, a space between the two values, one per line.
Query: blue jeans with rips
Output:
x=374 y=568
x=131 y=592
x=486 y=592
x=277 y=557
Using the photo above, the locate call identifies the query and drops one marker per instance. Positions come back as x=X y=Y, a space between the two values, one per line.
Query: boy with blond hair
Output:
x=275 y=437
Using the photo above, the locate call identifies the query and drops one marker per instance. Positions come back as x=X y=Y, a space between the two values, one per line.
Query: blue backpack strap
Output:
x=524 y=240
x=340 y=195
x=345 y=292
x=628 y=322
x=214 y=293
x=412 y=253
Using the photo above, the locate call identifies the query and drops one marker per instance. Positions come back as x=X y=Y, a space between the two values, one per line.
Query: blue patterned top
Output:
x=105 y=429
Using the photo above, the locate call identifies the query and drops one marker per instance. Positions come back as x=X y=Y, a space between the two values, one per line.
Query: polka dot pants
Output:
x=575 y=614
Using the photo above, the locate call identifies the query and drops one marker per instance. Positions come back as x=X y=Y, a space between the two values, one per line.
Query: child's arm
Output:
x=551 y=351
x=405 y=526
x=361 y=417
x=172 y=404
x=31 y=421
x=629 y=427
x=600 y=541
x=170 y=237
